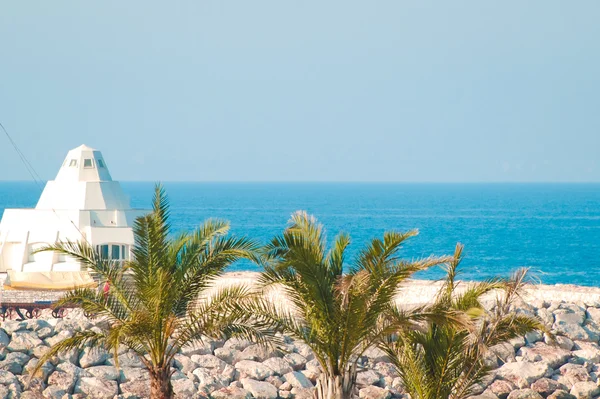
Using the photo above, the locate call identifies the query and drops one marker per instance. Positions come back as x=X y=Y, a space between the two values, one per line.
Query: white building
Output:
x=83 y=203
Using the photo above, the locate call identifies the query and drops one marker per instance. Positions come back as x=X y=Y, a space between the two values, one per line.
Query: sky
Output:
x=409 y=91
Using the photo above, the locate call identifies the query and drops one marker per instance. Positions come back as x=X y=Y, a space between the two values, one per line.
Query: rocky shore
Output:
x=530 y=367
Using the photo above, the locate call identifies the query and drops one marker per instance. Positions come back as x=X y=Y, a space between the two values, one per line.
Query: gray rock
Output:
x=184 y=363
x=374 y=393
x=501 y=388
x=585 y=390
x=93 y=356
x=199 y=348
x=138 y=388
x=96 y=388
x=133 y=374
x=259 y=353
x=523 y=374
x=45 y=370
x=253 y=370
x=298 y=380
x=184 y=388
x=127 y=359
x=368 y=377
x=524 y=394
x=552 y=355
x=295 y=360
x=209 y=362
x=587 y=351
x=304 y=350
x=570 y=374
x=14 y=362
x=561 y=395
x=259 y=389
x=208 y=382
x=545 y=386
x=237 y=344
x=504 y=351
x=104 y=372
x=54 y=392
x=62 y=380
x=231 y=393
x=4 y=338
x=227 y=354
x=23 y=341
x=278 y=365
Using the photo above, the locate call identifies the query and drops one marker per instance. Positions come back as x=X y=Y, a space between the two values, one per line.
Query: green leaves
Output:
x=339 y=316
x=162 y=299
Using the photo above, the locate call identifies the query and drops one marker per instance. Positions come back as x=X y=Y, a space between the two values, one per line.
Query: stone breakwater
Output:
x=527 y=367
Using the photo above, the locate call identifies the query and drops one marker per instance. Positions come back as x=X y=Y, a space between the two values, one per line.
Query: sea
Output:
x=553 y=229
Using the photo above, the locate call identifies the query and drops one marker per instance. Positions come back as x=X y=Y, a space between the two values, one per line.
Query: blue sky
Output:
x=305 y=90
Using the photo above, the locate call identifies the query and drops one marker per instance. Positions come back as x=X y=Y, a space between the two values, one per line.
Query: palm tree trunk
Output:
x=160 y=384
x=335 y=386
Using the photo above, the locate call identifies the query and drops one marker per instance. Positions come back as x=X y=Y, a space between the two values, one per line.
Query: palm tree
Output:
x=161 y=300
x=446 y=360
x=337 y=315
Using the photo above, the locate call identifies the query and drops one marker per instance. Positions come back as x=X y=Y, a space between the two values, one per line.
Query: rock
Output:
x=4 y=338
x=44 y=371
x=275 y=381
x=93 y=356
x=96 y=388
x=374 y=393
x=209 y=362
x=587 y=351
x=7 y=378
x=184 y=363
x=368 y=377
x=575 y=332
x=562 y=342
x=553 y=356
x=54 y=392
x=134 y=374
x=259 y=389
x=23 y=341
x=485 y=395
x=376 y=355
x=546 y=316
x=231 y=393
x=585 y=390
x=104 y=372
x=545 y=386
x=501 y=388
x=55 y=339
x=14 y=362
x=570 y=374
x=237 y=344
x=227 y=354
x=504 y=351
x=298 y=380
x=561 y=395
x=138 y=388
x=183 y=388
x=295 y=360
x=517 y=342
x=198 y=348
x=303 y=393
x=253 y=370
x=568 y=317
x=259 y=353
x=62 y=380
x=524 y=394
x=278 y=365
x=593 y=314
x=207 y=382
x=127 y=359
x=523 y=374
x=304 y=350
x=532 y=337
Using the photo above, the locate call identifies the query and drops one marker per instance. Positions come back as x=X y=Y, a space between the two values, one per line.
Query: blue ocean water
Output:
x=552 y=228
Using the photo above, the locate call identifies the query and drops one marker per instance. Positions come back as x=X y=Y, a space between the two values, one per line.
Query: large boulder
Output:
x=96 y=388
x=93 y=356
x=298 y=380
x=23 y=341
x=524 y=394
x=501 y=388
x=586 y=352
x=231 y=393
x=253 y=370
x=368 y=377
x=372 y=392
x=105 y=372
x=259 y=353
x=552 y=355
x=184 y=388
x=296 y=360
x=209 y=362
x=570 y=374
x=523 y=374
x=585 y=390
x=259 y=389
x=545 y=386
x=278 y=365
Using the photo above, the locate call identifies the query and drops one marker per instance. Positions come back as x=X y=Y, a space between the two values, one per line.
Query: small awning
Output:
x=48 y=280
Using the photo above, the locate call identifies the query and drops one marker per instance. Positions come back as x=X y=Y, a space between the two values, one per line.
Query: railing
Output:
x=25 y=304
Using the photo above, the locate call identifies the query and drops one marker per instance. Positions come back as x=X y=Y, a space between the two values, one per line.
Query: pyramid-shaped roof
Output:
x=83 y=183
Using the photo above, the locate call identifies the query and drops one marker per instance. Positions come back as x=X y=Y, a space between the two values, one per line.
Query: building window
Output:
x=73 y=163
x=88 y=163
x=116 y=251
x=100 y=163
